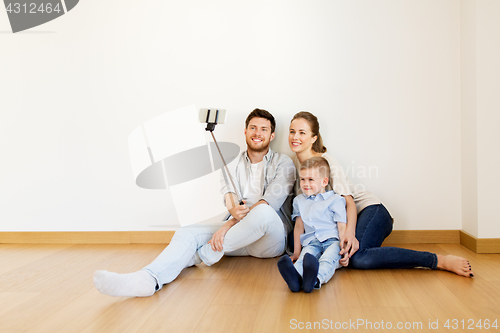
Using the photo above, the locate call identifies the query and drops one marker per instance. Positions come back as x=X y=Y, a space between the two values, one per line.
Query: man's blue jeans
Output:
x=260 y=234
x=327 y=253
x=373 y=226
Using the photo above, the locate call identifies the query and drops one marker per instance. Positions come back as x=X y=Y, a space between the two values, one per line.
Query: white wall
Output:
x=468 y=107
x=488 y=116
x=382 y=76
x=480 y=103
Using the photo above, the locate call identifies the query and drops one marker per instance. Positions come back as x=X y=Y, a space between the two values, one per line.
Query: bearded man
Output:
x=257 y=228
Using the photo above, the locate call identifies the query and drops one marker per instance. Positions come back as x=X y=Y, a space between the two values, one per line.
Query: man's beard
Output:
x=257 y=150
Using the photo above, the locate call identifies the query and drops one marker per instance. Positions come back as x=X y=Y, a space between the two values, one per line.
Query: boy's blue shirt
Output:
x=320 y=214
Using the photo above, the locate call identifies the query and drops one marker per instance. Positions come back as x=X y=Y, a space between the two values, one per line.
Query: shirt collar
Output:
x=267 y=157
x=323 y=196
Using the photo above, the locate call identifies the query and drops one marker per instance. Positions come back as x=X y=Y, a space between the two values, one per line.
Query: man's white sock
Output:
x=137 y=284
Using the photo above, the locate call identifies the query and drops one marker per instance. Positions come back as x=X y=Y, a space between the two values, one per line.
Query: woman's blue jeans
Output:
x=373 y=226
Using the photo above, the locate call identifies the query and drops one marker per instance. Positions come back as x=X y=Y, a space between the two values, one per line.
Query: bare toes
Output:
x=456 y=265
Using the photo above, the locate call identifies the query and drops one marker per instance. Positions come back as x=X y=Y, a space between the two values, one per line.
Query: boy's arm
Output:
x=297 y=231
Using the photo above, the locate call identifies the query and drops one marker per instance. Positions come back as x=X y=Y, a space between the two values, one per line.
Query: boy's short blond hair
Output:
x=319 y=163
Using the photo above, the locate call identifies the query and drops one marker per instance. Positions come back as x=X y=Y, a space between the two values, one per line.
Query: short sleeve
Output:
x=296 y=211
x=338 y=208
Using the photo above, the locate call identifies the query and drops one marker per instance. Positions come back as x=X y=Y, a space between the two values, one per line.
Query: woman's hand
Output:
x=348 y=244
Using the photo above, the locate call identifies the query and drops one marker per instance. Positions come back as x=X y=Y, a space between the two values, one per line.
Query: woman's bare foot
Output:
x=455 y=264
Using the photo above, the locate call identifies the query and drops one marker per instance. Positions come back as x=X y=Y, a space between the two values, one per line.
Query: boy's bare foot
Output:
x=455 y=264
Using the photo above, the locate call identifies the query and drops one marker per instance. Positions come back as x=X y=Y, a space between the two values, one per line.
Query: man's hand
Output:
x=348 y=244
x=239 y=211
x=218 y=238
x=294 y=257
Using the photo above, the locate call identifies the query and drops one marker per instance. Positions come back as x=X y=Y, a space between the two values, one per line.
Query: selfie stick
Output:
x=212 y=116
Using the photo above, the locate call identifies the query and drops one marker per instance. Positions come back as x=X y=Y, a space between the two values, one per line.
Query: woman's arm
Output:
x=340 y=184
x=348 y=242
x=342 y=228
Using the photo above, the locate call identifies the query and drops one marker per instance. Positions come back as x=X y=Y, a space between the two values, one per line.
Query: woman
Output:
x=368 y=221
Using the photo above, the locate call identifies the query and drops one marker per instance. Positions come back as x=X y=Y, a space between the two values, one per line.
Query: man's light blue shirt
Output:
x=320 y=214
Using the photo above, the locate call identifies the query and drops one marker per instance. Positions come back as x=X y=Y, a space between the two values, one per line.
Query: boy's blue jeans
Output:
x=327 y=253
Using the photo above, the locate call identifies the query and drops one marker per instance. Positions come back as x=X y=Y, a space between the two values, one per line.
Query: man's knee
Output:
x=189 y=234
x=262 y=212
x=262 y=217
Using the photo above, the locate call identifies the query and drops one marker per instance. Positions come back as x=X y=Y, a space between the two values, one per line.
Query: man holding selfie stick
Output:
x=258 y=227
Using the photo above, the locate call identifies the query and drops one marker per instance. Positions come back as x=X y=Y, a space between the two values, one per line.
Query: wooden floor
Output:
x=48 y=288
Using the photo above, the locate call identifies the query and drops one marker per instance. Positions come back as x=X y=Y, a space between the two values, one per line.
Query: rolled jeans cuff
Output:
x=434 y=261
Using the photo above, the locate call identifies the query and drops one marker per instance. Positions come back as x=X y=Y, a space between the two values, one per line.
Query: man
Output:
x=257 y=228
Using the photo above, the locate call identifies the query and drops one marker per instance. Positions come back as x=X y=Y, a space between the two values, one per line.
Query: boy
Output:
x=322 y=215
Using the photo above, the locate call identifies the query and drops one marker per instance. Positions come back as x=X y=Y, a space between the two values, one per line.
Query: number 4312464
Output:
x=470 y=324
x=32 y=8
